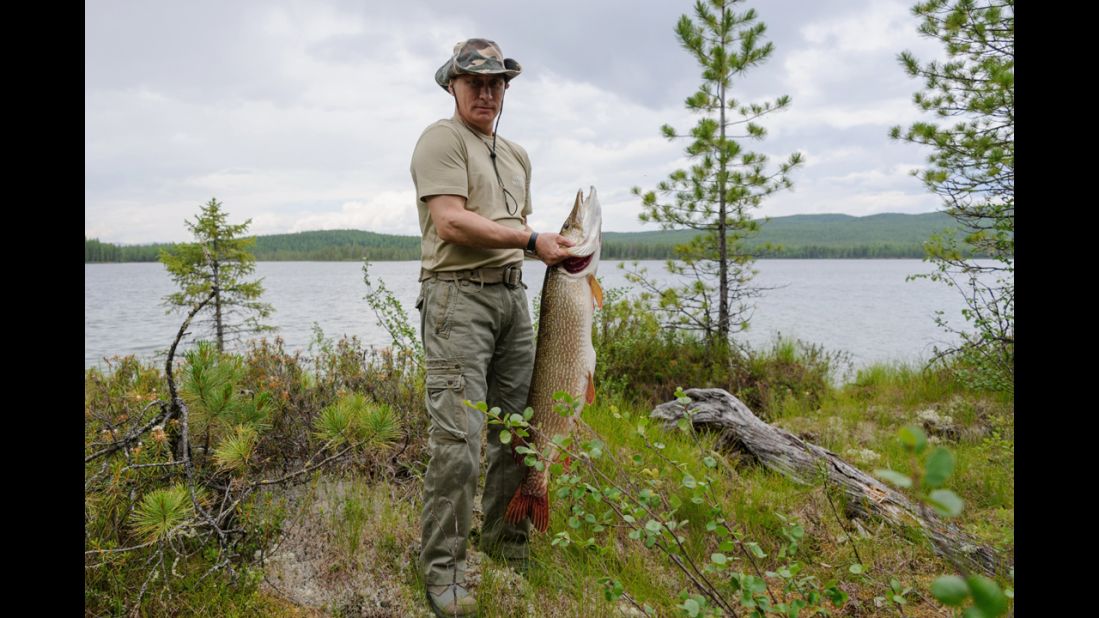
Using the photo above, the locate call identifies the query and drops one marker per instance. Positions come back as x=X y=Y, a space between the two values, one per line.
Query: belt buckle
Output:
x=513 y=275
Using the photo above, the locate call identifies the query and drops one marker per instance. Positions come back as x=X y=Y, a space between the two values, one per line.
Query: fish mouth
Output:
x=584 y=228
x=577 y=264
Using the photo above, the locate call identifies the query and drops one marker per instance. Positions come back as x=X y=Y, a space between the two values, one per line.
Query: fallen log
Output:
x=779 y=450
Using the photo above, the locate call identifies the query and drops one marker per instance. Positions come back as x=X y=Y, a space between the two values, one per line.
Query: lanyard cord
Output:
x=492 y=155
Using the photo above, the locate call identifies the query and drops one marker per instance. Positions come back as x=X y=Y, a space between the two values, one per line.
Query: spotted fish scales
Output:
x=565 y=358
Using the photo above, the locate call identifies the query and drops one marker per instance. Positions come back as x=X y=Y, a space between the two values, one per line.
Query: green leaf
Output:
x=691 y=606
x=950 y=590
x=756 y=550
x=893 y=477
x=710 y=462
x=946 y=502
x=940 y=464
x=987 y=595
x=855 y=569
x=913 y=438
x=505 y=436
x=718 y=558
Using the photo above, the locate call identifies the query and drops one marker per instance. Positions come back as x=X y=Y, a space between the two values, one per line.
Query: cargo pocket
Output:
x=444 y=301
x=445 y=398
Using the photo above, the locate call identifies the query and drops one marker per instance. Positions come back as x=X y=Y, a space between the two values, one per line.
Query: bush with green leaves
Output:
x=929 y=471
x=656 y=501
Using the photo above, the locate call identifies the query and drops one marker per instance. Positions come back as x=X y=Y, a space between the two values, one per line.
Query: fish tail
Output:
x=523 y=505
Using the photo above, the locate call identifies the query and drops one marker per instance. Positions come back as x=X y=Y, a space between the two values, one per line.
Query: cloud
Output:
x=302 y=115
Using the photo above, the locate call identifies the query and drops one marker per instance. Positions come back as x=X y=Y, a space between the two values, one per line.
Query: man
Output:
x=473 y=198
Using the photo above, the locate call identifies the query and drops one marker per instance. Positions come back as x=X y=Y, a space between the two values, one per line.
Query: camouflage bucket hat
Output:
x=477 y=57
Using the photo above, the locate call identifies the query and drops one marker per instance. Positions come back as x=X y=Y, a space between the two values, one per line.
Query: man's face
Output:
x=479 y=98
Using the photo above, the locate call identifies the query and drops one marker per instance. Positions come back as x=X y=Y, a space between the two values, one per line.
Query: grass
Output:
x=566 y=581
x=348 y=542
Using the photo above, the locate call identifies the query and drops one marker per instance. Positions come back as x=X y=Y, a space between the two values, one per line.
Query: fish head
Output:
x=584 y=228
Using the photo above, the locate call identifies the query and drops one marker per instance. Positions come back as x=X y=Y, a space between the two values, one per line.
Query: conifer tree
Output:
x=217 y=263
x=725 y=182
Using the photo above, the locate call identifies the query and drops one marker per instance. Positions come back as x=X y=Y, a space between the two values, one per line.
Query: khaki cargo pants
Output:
x=479 y=346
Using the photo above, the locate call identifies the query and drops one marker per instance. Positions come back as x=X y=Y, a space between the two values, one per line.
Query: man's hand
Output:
x=551 y=248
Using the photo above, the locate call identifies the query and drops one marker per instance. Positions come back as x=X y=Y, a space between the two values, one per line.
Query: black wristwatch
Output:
x=530 y=243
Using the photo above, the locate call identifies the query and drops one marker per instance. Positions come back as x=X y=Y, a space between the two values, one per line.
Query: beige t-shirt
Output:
x=453 y=159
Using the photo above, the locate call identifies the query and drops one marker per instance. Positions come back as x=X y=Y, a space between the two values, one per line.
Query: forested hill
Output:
x=798 y=236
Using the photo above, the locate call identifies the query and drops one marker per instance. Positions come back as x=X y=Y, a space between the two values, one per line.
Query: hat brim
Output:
x=449 y=70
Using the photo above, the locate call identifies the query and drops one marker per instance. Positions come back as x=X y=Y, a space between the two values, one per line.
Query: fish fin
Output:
x=517 y=507
x=596 y=291
x=522 y=505
x=590 y=395
x=539 y=512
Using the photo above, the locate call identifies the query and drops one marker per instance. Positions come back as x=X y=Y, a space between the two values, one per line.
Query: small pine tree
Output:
x=217 y=263
x=726 y=181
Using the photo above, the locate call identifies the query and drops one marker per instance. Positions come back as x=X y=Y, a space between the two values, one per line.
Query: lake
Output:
x=863 y=307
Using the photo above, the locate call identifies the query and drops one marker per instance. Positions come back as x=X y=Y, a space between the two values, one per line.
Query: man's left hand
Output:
x=552 y=248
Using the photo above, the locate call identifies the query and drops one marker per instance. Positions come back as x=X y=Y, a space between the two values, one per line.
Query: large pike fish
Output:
x=565 y=357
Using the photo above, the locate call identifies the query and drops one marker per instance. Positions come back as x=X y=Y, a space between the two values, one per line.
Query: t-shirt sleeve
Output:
x=439 y=164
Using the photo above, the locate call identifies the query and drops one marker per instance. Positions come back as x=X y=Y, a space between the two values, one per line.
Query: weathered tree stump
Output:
x=779 y=450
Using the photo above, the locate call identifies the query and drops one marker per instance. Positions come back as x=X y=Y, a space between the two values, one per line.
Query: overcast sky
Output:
x=303 y=115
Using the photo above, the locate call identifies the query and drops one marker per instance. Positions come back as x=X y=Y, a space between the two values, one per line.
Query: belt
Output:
x=510 y=275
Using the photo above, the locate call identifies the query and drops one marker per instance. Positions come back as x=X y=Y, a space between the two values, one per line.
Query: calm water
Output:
x=863 y=307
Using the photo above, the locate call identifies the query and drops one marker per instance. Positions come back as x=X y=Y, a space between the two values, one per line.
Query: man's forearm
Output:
x=472 y=230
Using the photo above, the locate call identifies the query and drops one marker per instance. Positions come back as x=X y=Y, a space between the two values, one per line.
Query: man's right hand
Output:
x=552 y=248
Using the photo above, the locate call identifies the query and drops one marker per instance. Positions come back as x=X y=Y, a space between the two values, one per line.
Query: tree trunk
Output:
x=781 y=451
